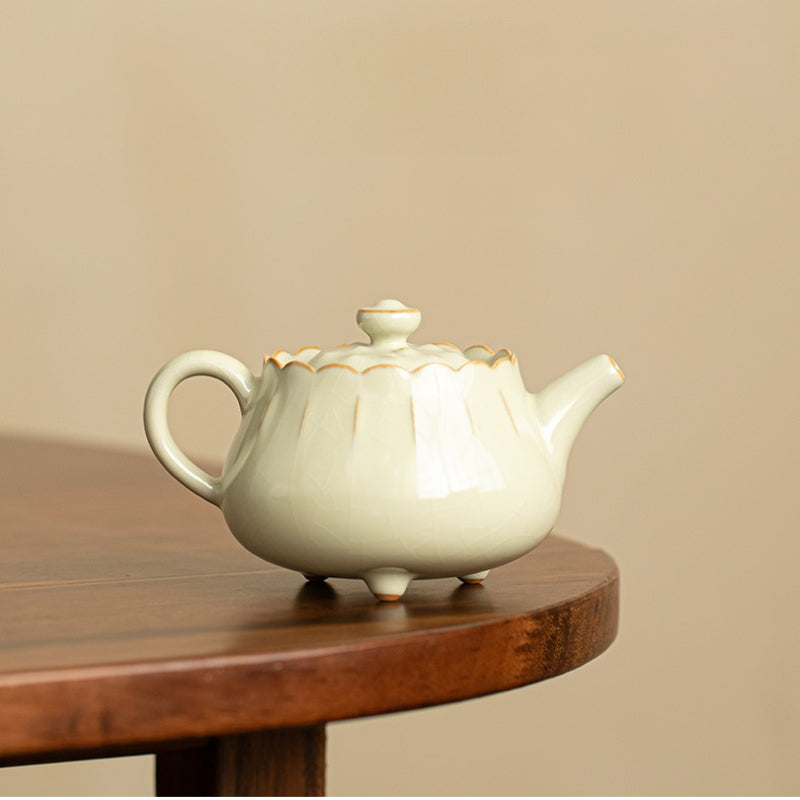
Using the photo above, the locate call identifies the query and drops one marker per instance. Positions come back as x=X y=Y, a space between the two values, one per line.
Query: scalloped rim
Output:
x=509 y=357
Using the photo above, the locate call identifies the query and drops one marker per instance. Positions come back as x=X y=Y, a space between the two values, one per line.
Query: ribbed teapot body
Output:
x=436 y=471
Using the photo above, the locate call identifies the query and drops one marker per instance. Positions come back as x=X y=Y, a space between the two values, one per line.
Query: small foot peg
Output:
x=388 y=585
x=475 y=577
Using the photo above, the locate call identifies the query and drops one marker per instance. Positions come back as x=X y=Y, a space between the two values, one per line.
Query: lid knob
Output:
x=388 y=323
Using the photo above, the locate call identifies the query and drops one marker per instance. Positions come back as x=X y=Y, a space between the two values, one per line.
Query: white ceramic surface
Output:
x=387 y=461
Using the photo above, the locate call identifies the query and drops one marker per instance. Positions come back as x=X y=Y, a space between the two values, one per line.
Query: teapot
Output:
x=386 y=461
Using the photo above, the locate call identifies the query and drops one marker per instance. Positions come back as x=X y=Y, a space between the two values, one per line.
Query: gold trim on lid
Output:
x=385 y=366
x=511 y=358
x=482 y=347
x=336 y=364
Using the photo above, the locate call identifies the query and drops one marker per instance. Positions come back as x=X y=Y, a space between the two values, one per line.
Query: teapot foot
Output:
x=315 y=578
x=388 y=584
x=475 y=577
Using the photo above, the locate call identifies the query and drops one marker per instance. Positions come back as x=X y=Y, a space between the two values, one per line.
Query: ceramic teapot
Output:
x=387 y=461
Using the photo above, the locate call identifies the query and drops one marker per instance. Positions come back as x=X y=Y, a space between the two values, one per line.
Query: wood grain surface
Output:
x=282 y=763
x=130 y=617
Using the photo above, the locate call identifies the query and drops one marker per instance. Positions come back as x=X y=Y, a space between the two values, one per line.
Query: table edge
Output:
x=145 y=703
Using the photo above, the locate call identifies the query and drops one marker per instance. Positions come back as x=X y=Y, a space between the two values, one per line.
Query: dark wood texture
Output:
x=129 y=616
x=277 y=763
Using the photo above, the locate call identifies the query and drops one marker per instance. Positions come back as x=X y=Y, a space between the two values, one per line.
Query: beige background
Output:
x=561 y=178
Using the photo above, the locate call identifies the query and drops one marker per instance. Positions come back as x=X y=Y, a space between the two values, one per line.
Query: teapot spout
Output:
x=563 y=406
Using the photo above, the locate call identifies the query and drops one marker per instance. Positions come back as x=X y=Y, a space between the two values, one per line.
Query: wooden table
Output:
x=132 y=622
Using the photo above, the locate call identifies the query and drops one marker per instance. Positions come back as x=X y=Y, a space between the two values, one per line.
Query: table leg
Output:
x=275 y=763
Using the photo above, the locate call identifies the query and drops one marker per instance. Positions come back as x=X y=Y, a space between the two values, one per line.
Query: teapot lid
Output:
x=388 y=324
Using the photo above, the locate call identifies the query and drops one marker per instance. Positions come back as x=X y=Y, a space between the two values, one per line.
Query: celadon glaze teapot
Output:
x=387 y=461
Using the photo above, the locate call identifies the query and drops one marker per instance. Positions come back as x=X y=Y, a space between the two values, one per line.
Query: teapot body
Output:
x=434 y=472
x=386 y=461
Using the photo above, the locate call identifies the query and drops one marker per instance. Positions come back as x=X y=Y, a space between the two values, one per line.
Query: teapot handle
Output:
x=231 y=372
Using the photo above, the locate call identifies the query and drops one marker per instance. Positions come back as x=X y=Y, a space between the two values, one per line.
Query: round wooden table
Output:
x=134 y=623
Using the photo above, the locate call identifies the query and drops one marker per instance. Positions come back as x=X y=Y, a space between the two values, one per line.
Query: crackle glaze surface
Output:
x=384 y=462
x=429 y=472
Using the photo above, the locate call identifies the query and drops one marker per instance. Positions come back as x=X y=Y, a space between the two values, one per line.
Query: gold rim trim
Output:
x=334 y=364
x=280 y=350
x=495 y=364
x=617 y=368
x=298 y=364
x=507 y=357
x=482 y=347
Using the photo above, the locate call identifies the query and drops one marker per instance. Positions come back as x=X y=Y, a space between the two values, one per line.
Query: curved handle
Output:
x=196 y=362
